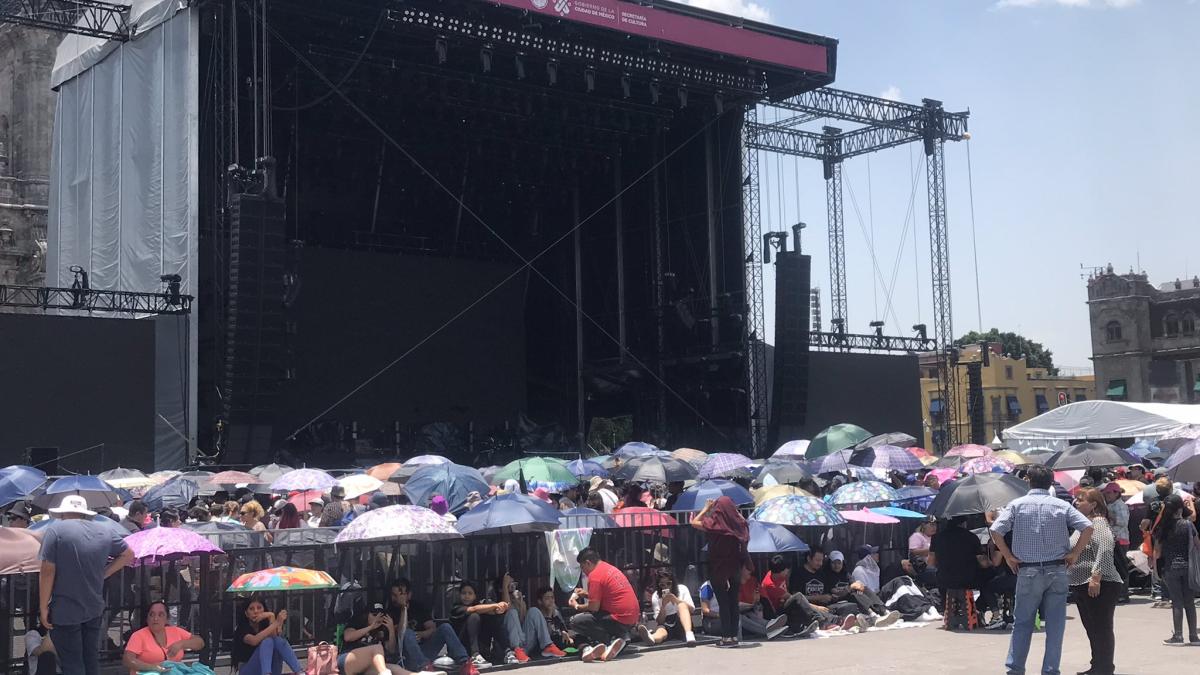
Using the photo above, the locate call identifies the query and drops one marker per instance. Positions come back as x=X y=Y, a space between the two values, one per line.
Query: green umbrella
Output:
x=836 y=437
x=546 y=472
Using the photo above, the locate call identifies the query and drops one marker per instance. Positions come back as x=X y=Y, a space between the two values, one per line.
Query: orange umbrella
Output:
x=384 y=471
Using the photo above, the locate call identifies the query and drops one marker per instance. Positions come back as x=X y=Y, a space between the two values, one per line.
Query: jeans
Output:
x=269 y=657
x=800 y=613
x=1096 y=615
x=727 y=598
x=535 y=634
x=417 y=654
x=1039 y=589
x=601 y=628
x=1183 y=600
x=868 y=602
x=482 y=631
x=78 y=647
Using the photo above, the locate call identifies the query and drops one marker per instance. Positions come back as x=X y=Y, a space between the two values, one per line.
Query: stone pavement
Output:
x=927 y=650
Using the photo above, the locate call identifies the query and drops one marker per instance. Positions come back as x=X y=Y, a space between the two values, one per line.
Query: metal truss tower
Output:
x=755 y=337
x=837 y=231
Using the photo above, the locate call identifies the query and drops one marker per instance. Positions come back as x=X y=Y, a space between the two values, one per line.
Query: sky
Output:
x=1084 y=151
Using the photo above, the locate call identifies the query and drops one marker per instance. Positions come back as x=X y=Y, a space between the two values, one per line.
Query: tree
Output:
x=1036 y=355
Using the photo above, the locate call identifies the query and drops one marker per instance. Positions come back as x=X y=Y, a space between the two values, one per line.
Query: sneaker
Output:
x=614 y=649
x=690 y=638
x=522 y=657
x=479 y=662
x=776 y=626
x=1161 y=604
x=468 y=668
x=1173 y=641
x=442 y=662
x=592 y=653
x=809 y=629
x=510 y=658
x=998 y=624
x=1194 y=640
x=849 y=622
x=552 y=651
x=644 y=634
x=432 y=672
x=854 y=630
x=865 y=621
x=887 y=619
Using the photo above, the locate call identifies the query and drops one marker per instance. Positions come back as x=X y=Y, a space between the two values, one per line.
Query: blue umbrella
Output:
x=176 y=493
x=637 y=449
x=585 y=517
x=507 y=514
x=1142 y=448
x=18 y=482
x=896 y=512
x=586 y=468
x=773 y=538
x=694 y=498
x=95 y=491
x=107 y=523
x=452 y=481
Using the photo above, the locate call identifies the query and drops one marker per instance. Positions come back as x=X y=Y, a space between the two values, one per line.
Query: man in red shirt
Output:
x=608 y=609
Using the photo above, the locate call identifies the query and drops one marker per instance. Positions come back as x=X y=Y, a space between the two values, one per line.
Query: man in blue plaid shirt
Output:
x=1041 y=552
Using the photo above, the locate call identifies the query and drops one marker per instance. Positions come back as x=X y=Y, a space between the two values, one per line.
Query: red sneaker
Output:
x=522 y=657
x=554 y=651
x=468 y=668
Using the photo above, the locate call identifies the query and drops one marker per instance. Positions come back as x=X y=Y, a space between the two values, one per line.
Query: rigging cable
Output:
x=974 y=250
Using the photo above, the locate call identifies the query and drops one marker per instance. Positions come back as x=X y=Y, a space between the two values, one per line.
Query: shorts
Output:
x=341 y=661
x=673 y=627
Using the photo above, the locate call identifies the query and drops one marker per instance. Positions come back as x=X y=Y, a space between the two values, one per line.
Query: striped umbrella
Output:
x=887 y=457
x=722 y=464
x=694 y=457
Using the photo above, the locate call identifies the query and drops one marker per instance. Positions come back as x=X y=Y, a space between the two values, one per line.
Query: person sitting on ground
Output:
x=368 y=640
x=750 y=607
x=551 y=642
x=479 y=623
x=40 y=656
x=423 y=639
x=864 y=602
x=607 y=611
x=157 y=641
x=527 y=629
x=866 y=571
x=802 y=615
x=920 y=540
x=672 y=607
x=258 y=644
x=135 y=520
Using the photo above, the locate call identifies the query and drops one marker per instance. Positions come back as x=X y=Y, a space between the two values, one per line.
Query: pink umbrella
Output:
x=1069 y=479
x=164 y=542
x=301 y=499
x=987 y=464
x=232 y=478
x=969 y=450
x=944 y=475
x=641 y=516
x=919 y=452
x=869 y=517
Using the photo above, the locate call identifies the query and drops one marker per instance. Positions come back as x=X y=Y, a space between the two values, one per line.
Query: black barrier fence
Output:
x=194 y=588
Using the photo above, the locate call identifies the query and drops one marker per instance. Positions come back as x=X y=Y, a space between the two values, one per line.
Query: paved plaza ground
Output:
x=926 y=650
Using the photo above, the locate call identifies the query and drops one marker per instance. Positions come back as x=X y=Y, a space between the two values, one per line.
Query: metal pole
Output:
x=710 y=198
x=619 y=225
x=757 y=408
x=660 y=335
x=579 y=402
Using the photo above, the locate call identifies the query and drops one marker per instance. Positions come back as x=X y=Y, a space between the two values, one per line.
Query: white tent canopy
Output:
x=1102 y=419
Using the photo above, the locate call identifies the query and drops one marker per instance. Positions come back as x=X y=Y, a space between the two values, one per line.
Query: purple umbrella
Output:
x=887 y=457
x=833 y=462
x=158 y=543
x=721 y=464
x=304 y=479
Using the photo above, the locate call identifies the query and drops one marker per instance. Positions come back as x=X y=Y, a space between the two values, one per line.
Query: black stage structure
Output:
x=459 y=223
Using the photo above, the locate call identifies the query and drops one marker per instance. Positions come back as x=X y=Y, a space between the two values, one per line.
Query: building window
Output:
x=1171 y=324
x=996 y=409
x=1187 y=325
x=1042 y=404
x=1014 y=408
x=1080 y=394
x=1112 y=331
x=933 y=374
x=1008 y=372
x=936 y=410
x=1116 y=390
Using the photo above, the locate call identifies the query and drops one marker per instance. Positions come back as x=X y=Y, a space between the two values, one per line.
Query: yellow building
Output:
x=1012 y=392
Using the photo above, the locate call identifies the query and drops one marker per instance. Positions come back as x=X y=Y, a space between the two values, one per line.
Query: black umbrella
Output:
x=977 y=494
x=1156 y=459
x=784 y=472
x=653 y=468
x=1038 y=456
x=1089 y=455
x=268 y=473
x=175 y=493
x=1167 y=445
x=896 y=438
x=950 y=462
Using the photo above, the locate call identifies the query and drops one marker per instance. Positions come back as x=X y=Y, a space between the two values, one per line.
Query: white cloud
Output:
x=1114 y=4
x=743 y=8
x=892 y=93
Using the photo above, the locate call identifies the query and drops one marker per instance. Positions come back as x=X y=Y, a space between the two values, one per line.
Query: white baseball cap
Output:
x=73 y=504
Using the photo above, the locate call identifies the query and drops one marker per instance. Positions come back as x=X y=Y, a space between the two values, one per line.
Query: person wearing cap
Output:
x=315 y=507
x=335 y=508
x=17 y=516
x=75 y=562
x=1118 y=513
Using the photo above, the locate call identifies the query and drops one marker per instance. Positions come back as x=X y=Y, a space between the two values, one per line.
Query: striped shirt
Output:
x=1040 y=524
x=1097 y=556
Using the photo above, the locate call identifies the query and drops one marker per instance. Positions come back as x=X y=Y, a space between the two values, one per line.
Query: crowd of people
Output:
x=1002 y=569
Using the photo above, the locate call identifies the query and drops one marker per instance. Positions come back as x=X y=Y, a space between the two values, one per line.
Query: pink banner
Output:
x=682 y=29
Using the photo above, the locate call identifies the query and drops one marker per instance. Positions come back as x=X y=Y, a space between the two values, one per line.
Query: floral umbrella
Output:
x=887 y=457
x=410 y=523
x=944 y=474
x=863 y=492
x=158 y=543
x=281 y=579
x=991 y=464
x=869 y=517
x=792 y=450
x=763 y=494
x=969 y=450
x=304 y=479
x=694 y=457
x=539 y=472
x=721 y=464
x=797 y=511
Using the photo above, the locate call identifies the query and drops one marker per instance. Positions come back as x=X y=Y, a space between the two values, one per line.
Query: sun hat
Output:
x=73 y=504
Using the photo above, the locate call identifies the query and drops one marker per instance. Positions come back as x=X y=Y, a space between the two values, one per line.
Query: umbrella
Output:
x=165 y=475
x=694 y=498
x=914 y=492
x=951 y=461
x=1155 y=459
x=1015 y=457
x=304 y=479
x=835 y=438
x=539 y=472
x=1087 y=455
x=894 y=438
x=405 y=473
x=19 y=548
x=18 y=482
x=863 y=492
x=772 y=538
x=267 y=473
x=1068 y=479
x=970 y=450
x=832 y=462
x=1170 y=445
x=1184 y=463
x=586 y=468
x=584 y=517
x=95 y=491
x=450 y=480
x=1130 y=488
x=507 y=514
x=888 y=457
x=655 y=468
x=928 y=460
x=897 y=512
x=792 y=450
x=637 y=449
x=797 y=511
x=411 y=523
x=1038 y=455
x=919 y=453
x=1142 y=448
x=869 y=517
x=126 y=478
x=763 y=494
x=302 y=498
x=489 y=473
x=233 y=478
x=358 y=484
x=644 y=516
x=987 y=464
x=781 y=472
x=384 y=471
x=721 y=464
x=943 y=475
x=425 y=460
x=159 y=543
x=176 y=493
x=977 y=494
x=694 y=457
x=227 y=535
x=281 y=579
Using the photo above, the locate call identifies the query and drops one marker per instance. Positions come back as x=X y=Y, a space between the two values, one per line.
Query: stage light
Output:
x=519 y=62
x=655 y=90
x=589 y=79
x=796 y=234
x=485 y=59
x=921 y=331
x=626 y=86
x=878 y=326
x=172 y=282
x=441 y=49
x=552 y=72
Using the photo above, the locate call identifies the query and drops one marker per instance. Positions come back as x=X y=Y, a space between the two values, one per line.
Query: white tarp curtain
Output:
x=77 y=53
x=1103 y=419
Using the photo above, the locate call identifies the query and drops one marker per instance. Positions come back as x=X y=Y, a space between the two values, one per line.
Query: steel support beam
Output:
x=838 y=303
x=710 y=198
x=755 y=338
x=943 y=323
x=93 y=300
x=845 y=342
x=93 y=18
